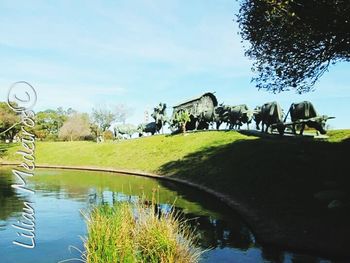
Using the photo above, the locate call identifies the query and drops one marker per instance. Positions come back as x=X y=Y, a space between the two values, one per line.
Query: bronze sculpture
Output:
x=204 y=110
x=159 y=116
x=271 y=115
x=201 y=110
x=303 y=114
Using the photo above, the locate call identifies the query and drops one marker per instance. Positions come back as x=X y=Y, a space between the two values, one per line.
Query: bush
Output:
x=129 y=232
x=108 y=135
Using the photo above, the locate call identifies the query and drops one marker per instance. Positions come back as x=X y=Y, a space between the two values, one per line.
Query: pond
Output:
x=61 y=195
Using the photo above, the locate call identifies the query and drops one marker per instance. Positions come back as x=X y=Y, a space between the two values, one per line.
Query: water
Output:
x=62 y=195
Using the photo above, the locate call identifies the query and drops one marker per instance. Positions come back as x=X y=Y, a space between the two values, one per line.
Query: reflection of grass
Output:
x=135 y=233
x=74 y=182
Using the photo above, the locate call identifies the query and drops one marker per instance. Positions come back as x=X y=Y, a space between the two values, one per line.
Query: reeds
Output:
x=135 y=232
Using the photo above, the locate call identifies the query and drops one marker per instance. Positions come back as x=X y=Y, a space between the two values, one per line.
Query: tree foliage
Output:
x=293 y=42
x=122 y=112
x=102 y=118
x=8 y=118
x=76 y=127
x=182 y=118
x=49 y=122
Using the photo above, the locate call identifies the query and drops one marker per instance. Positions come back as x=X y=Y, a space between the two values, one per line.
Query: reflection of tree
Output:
x=10 y=202
x=80 y=183
x=272 y=254
x=220 y=233
x=229 y=229
x=58 y=190
x=218 y=226
x=295 y=258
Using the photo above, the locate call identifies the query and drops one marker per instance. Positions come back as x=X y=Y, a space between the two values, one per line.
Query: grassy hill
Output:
x=147 y=154
x=275 y=178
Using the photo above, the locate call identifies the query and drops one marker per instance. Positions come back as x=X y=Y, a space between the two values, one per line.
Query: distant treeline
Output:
x=66 y=124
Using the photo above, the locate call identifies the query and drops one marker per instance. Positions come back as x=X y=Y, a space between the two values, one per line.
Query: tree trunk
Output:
x=183 y=126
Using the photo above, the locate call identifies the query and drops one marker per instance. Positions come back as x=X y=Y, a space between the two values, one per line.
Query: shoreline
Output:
x=265 y=231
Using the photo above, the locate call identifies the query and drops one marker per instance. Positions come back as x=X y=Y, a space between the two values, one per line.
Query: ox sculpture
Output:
x=304 y=113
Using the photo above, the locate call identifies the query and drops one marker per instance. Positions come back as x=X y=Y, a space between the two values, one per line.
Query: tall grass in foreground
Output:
x=133 y=232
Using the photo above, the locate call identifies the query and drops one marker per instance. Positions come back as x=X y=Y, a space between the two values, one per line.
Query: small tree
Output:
x=95 y=132
x=102 y=118
x=108 y=135
x=77 y=127
x=182 y=118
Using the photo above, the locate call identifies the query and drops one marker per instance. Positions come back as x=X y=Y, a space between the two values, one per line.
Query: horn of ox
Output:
x=325 y=117
x=320 y=118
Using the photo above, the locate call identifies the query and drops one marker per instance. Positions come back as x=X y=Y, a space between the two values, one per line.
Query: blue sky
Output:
x=81 y=54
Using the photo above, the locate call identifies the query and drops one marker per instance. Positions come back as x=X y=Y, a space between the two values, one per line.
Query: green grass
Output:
x=338 y=135
x=147 y=154
x=130 y=233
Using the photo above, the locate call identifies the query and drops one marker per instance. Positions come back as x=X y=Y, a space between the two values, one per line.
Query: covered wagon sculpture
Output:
x=201 y=110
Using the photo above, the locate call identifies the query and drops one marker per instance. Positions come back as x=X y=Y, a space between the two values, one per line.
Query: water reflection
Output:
x=10 y=202
x=61 y=195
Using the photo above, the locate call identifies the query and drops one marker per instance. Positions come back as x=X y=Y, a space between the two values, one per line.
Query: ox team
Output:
x=205 y=110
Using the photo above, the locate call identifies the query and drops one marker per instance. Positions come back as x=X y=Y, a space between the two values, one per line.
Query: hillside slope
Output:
x=285 y=185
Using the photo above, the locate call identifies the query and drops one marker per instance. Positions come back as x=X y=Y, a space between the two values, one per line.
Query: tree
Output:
x=293 y=42
x=49 y=122
x=76 y=127
x=121 y=112
x=68 y=112
x=102 y=118
x=182 y=118
x=8 y=118
x=95 y=131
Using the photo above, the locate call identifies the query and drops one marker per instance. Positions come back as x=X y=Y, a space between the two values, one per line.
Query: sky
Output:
x=83 y=54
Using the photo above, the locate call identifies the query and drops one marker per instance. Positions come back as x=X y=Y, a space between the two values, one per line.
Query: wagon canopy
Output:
x=201 y=106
